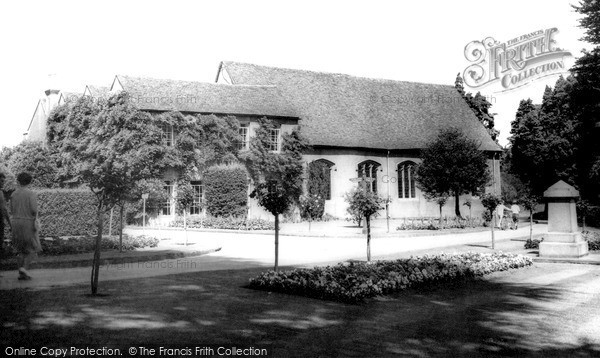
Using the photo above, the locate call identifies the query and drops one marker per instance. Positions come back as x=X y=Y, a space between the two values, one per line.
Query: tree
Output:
x=367 y=203
x=277 y=176
x=529 y=202
x=490 y=202
x=184 y=199
x=36 y=159
x=452 y=165
x=110 y=146
x=311 y=207
x=480 y=106
x=441 y=201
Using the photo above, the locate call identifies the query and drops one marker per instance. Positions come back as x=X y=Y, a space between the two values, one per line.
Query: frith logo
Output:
x=516 y=62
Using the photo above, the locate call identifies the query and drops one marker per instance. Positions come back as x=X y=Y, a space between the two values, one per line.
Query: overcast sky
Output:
x=66 y=45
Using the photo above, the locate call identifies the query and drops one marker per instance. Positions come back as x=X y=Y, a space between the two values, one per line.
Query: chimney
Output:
x=51 y=99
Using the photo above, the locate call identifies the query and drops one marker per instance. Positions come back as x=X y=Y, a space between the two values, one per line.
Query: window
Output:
x=406 y=180
x=167 y=134
x=244 y=138
x=368 y=169
x=319 y=177
x=274 y=140
x=196 y=208
x=168 y=204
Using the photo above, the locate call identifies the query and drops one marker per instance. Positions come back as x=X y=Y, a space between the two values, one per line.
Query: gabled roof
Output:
x=68 y=97
x=202 y=97
x=348 y=111
x=100 y=92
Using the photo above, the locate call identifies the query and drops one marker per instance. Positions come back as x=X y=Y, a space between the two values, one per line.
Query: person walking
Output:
x=515 y=215
x=3 y=213
x=25 y=226
x=500 y=214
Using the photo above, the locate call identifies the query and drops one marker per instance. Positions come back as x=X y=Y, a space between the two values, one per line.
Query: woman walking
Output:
x=25 y=227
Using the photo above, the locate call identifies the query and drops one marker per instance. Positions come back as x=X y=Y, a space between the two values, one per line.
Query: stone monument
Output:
x=563 y=238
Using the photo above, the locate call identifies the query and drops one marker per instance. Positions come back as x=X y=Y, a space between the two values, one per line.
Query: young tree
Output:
x=441 y=201
x=452 y=165
x=367 y=203
x=311 y=207
x=277 y=175
x=110 y=146
x=529 y=202
x=184 y=199
x=490 y=202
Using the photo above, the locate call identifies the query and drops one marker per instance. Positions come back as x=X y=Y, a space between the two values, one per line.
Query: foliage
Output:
x=36 y=159
x=224 y=223
x=490 y=202
x=226 y=190
x=356 y=282
x=156 y=197
x=318 y=186
x=311 y=207
x=593 y=240
x=363 y=203
x=184 y=198
x=545 y=139
x=480 y=106
x=277 y=176
x=452 y=165
x=434 y=224
x=54 y=246
x=110 y=146
x=533 y=243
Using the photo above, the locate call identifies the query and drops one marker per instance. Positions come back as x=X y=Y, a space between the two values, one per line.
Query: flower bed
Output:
x=356 y=282
x=83 y=244
x=434 y=224
x=227 y=223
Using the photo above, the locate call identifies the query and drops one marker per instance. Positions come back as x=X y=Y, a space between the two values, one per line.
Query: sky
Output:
x=68 y=44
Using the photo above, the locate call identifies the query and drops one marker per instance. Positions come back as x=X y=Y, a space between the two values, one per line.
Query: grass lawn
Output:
x=516 y=313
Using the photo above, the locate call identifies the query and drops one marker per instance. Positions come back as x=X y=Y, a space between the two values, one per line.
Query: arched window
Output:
x=368 y=169
x=406 y=180
x=319 y=177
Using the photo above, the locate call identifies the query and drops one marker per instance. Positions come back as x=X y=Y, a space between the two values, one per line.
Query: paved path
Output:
x=241 y=251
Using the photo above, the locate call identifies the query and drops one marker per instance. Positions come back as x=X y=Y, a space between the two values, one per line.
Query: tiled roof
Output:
x=347 y=111
x=202 y=97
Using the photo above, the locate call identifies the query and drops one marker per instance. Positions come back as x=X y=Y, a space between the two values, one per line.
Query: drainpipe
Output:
x=387 y=202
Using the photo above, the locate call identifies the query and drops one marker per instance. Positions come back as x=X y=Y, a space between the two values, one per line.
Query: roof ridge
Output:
x=196 y=82
x=380 y=80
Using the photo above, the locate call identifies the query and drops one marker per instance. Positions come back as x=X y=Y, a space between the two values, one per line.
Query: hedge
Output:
x=228 y=223
x=226 y=190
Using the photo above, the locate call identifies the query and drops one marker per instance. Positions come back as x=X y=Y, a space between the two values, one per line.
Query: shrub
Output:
x=84 y=244
x=226 y=190
x=224 y=223
x=533 y=244
x=70 y=212
x=356 y=282
x=593 y=240
x=319 y=188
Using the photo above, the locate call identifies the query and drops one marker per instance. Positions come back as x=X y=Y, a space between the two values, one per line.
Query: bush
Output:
x=70 y=212
x=355 y=282
x=533 y=244
x=84 y=244
x=226 y=190
x=593 y=239
x=224 y=223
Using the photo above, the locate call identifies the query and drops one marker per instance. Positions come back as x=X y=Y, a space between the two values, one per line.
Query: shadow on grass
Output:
x=481 y=318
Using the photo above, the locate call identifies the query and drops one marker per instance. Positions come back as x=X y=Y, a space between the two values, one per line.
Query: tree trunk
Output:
x=276 y=242
x=368 y=222
x=492 y=224
x=309 y=222
x=110 y=221
x=441 y=218
x=96 y=262
x=185 y=227
x=531 y=225
x=122 y=214
x=457 y=205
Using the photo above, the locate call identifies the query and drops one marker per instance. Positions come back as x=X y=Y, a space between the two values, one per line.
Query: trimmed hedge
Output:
x=227 y=223
x=226 y=190
x=356 y=282
x=70 y=212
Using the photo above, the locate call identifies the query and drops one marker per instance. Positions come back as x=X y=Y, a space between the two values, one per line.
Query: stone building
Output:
x=358 y=127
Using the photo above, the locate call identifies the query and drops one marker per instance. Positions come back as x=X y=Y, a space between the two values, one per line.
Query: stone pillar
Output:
x=563 y=238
